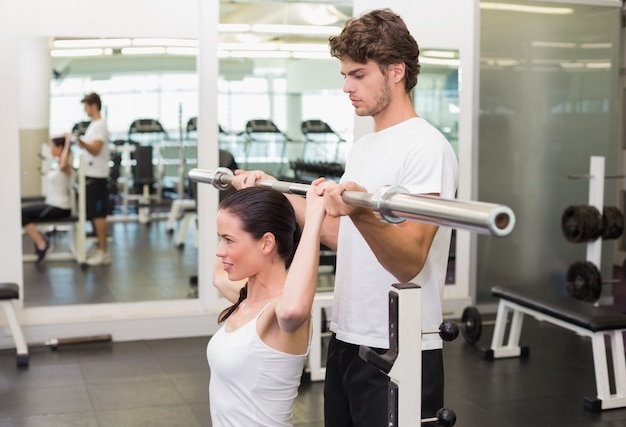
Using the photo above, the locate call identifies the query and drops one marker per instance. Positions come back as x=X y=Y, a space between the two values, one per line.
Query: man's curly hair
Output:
x=381 y=36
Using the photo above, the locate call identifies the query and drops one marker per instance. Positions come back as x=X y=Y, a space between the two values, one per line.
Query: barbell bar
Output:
x=395 y=204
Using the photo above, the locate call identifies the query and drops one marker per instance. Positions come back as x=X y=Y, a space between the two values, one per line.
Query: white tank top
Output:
x=251 y=383
x=58 y=192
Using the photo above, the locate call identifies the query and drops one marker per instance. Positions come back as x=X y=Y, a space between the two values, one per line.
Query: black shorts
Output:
x=356 y=392
x=42 y=212
x=96 y=197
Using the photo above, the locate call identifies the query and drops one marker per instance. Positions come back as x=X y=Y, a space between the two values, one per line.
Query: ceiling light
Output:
x=507 y=62
x=601 y=65
x=596 y=45
x=441 y=61
x=439 y=54
x=143 y=50
x=90 y=43
x=165 y=42
x=512 y=7
x=572 y=65
x=64 y=53
x=563 y=45
x=539 y=61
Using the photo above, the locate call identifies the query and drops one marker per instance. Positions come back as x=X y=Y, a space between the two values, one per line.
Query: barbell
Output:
x=395 y=204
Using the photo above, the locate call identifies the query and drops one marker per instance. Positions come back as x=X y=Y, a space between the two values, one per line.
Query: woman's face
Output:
x=241 y=254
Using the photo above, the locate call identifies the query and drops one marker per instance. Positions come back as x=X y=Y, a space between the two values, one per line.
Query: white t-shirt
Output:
x=97 y=166
x=415 y=155
x=58 y=192
x=251 y=383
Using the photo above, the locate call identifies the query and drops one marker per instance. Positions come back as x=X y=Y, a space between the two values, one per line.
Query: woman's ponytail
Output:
x=225 y=314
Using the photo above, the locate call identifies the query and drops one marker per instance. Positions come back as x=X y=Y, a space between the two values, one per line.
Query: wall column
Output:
x=34 y=68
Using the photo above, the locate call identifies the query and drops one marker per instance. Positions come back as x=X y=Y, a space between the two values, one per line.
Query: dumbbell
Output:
x=444 y=417
x=448 y=330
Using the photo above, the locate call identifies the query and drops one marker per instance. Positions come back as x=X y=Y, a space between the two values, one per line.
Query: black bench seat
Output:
x=65 y=219
x=604 y=327
x=563 y=308
x=9 y=291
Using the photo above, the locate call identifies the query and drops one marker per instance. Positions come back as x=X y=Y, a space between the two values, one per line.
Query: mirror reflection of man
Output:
x=95 y=146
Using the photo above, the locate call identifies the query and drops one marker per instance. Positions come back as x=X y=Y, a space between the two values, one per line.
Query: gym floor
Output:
x=165 y=382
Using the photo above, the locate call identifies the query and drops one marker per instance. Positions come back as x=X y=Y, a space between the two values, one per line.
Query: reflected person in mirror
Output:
x=57 y=203
x=95 y=146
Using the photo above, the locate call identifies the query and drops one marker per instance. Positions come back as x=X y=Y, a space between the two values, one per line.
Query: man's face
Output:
x=367 y=87
x=89 y=108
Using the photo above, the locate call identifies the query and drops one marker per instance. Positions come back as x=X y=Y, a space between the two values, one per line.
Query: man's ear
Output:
x=397 y=71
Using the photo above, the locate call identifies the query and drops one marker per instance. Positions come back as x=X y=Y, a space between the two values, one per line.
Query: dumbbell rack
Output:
x=596 y=179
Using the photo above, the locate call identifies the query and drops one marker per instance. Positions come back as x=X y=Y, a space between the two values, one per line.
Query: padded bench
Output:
x=65 y=220
x=10 y=292
x=583 y=318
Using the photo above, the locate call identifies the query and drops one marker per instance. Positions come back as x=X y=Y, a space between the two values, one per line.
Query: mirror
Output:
x=149 y=92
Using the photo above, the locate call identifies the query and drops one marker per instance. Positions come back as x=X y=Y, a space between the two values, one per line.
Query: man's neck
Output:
x=395 y=113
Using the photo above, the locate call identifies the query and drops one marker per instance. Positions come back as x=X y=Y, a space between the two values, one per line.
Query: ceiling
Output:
x=284 y=13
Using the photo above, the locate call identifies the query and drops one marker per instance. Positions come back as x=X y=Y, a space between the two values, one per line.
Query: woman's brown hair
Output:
x=263 y=210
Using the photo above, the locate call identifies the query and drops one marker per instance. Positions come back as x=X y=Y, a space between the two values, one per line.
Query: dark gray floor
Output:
x=165 y=383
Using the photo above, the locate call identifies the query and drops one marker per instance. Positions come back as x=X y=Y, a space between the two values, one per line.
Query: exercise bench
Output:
x=10 y=292
x=585 y=319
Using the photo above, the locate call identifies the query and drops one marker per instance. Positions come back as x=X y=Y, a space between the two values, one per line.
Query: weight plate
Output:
x=471 y=325
x=581 y=223
x=613 y=223
x=584 y=281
